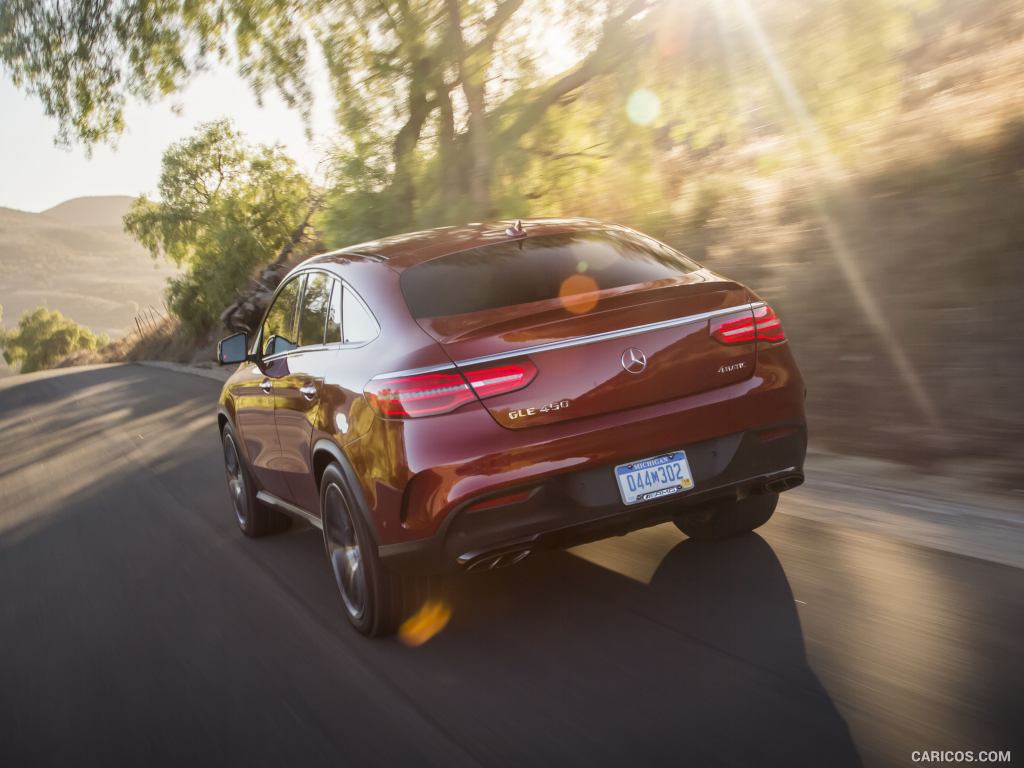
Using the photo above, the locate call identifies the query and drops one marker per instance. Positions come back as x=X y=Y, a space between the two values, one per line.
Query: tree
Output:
x=43 y=338
x=85 y=58
x=224 y=208
x=445 y=108
x=402 y=69
x=434 y=95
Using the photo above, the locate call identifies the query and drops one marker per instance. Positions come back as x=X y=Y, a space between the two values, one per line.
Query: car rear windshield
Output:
x=537 y=269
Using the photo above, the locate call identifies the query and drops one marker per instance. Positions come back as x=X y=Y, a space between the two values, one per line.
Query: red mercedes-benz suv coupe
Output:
x=464 y=396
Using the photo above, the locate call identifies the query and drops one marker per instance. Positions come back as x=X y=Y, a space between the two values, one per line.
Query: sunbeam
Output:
x=823 y=157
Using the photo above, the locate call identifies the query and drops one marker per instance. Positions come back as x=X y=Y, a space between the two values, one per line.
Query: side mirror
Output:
x=233 y=349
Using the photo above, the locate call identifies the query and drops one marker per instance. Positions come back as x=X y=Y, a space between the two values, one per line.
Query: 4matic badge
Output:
x=731 y=368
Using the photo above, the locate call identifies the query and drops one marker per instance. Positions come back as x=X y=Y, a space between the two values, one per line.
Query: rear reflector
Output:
x=430 y=394
x=500 y=501
x=767 y=435
x=742 y=327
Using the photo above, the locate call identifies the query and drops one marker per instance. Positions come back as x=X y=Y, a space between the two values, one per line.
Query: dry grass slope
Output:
x=75 y=258
x=93 y=273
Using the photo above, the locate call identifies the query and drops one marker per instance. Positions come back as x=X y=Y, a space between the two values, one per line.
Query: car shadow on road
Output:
x=559 y=659
x=556 y=660
x=135 y=608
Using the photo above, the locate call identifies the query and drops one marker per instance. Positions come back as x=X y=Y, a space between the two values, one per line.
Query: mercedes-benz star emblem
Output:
x=633 y=360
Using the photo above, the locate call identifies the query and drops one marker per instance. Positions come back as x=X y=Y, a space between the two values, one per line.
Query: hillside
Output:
x=91 y=272
x=99 y=211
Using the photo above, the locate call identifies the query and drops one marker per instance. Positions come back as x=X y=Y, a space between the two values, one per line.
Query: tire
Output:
x=253 y=517
x=727 y=518
x=376 y=599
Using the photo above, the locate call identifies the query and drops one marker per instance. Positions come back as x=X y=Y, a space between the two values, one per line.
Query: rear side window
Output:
x=313 y=316
x=279 y=328
x=537 y=269
x=357 y=324
x=333 y=335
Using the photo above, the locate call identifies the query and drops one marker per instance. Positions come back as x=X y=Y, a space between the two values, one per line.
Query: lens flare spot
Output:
x=582 y=266
x=643 y=107
x=425 y=623
x=578 y=293
x=668 y=42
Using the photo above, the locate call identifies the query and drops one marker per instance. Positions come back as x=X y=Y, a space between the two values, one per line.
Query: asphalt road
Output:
x=139 y=627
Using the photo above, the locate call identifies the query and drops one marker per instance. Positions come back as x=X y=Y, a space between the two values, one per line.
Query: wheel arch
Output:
x=326 y=452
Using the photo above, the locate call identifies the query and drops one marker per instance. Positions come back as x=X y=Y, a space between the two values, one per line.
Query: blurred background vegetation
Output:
x=223 y=210
x=43 y=338
x=860 y=163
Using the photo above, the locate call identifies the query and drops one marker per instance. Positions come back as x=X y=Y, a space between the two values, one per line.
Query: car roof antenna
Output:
x=516 y=230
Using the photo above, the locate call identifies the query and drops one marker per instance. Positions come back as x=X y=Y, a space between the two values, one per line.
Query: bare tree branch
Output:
x=618 y=40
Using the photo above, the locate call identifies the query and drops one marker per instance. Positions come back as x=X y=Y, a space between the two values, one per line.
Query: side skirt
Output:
x=291 y=509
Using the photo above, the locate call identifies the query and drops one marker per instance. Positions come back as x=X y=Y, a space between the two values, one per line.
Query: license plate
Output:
x=653 y=478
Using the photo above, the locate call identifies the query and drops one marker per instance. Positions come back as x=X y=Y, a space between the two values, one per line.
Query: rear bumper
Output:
x=574 y=507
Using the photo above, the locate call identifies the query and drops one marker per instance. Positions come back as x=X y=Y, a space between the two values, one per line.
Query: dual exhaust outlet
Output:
x=492 y=561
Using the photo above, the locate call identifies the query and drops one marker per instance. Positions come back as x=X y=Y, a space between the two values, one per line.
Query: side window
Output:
x=334 y=315
x=279 y=327
x=357 y=324
x=313 y=314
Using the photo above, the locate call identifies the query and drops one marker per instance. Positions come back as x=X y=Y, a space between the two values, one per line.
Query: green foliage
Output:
x=448 y=110
x=44 y=338
x=224 y=209
x=85 y=58
x=725 y=75
x=431 y=93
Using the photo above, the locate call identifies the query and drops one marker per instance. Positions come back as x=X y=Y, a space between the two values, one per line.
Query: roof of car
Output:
x=408 y=250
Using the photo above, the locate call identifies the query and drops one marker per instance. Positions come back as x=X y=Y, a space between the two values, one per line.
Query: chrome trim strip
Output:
x=581 y=341
x=334 y=345
x=415 y=371
x=578 y=341
x=291 y=509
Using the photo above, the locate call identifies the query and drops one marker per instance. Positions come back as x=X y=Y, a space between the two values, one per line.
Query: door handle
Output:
x=266 y=385
x=308 y=390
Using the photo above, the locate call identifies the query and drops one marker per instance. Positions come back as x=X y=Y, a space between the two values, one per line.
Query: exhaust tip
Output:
x=513 y=558
x=784 y=483
x=493 y=562
x=481 y=564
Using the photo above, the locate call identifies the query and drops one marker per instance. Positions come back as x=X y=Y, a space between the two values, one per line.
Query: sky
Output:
x=36 y=175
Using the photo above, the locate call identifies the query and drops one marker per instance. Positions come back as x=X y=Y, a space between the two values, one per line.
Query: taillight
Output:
x=761 y=325
x=504 y=378
x=769 y=326
x=429 y=394
x=733 y=329
x=418 y=395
